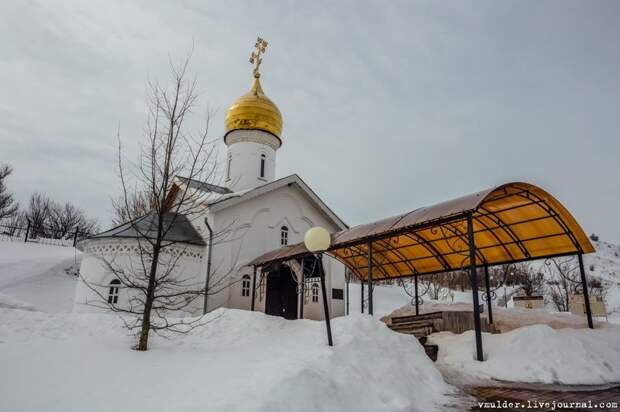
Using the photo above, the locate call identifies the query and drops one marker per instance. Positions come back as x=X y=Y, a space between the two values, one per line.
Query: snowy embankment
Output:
x=34 y=276
x=605 y=266
x=240 y=361
x=534 y=354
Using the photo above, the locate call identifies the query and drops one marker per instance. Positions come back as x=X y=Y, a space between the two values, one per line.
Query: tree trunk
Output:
x=148 y=304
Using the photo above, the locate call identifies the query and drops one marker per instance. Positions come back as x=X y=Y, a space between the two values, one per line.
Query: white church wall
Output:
x=254 y=228
x=99 y=255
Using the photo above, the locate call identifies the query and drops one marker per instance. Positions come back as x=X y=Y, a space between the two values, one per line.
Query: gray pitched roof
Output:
x=180 y=229
x=206 y=187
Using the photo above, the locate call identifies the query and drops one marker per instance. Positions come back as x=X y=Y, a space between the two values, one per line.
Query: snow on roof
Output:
x=180 y=229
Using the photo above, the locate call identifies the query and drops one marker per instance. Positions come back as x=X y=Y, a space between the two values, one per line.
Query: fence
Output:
x=41 y=234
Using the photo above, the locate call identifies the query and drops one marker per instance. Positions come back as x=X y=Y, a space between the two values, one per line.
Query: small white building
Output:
x=249 y=216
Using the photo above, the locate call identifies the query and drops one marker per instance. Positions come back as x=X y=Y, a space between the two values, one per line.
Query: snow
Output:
x=534 y=354
x=385 y=299
x=241 y=361
x=606 y=265
x=56 y=360
x=34 y=276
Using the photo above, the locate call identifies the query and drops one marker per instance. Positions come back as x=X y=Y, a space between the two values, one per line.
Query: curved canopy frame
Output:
x=511 y=223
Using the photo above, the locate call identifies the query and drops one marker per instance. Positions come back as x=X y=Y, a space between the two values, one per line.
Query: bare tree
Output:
x=434 y=286
x=157 y=293
x=531 y=281
x=563 y=280
x=14 y=225
x=38 y=213
x=597 y=288
x=8 y=206
x=125 y=210
x=63 y=219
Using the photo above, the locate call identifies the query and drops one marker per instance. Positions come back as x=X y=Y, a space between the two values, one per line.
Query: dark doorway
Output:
x=281 y=293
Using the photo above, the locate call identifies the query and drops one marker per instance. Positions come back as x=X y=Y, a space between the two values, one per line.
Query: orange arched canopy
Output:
x=511 y=223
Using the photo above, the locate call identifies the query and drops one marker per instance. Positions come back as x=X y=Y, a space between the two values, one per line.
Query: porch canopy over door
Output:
x=511 y=223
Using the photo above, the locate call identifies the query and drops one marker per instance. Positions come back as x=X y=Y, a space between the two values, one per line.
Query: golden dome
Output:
x=255 y=111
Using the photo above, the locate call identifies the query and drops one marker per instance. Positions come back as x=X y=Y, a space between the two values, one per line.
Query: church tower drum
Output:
x=253 y=129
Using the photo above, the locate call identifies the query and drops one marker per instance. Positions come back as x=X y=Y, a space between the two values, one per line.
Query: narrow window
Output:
x=245 y=286
x=306 y=293
x=283 y=236
x=228 y=166
x=262 y=165
x=315 y=292
x=113 y=292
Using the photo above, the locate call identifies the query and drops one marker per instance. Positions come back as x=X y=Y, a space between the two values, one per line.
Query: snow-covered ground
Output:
x=534 y=354
x=239 y=361
x=35 y=276
x=605 y=265
x=56 y=360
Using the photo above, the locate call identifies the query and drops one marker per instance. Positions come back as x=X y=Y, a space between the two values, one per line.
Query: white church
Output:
x=261 y=213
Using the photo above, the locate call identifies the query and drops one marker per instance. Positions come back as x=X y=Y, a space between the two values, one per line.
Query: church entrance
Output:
x=281 y=293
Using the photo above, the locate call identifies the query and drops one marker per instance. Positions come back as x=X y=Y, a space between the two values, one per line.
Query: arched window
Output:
x=283 y=236
x=245 y=286
x=263 y=158
x=315 y=292
x=228 y=166
x=113 y=292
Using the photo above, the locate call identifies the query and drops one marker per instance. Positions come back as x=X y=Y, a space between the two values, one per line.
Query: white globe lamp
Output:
x=317 y=239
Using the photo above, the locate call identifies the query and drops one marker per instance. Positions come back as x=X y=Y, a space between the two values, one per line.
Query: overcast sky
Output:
x=387 y=106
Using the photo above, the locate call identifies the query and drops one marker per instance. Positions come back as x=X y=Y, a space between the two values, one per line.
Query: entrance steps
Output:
x=425 y=324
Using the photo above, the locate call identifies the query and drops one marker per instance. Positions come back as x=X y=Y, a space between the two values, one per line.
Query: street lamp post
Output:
x=317 y=240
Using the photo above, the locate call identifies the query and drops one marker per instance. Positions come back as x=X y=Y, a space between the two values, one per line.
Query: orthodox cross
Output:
x=255 y=58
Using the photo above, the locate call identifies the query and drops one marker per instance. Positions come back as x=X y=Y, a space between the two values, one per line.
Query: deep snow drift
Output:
x=535 y=354
x=240 y=361
x=34 y=276
x=56 y=360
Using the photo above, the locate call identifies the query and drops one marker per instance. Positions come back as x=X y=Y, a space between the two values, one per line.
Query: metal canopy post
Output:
x=370 y=288
x=586 y=295
x=474 y=285
x=417 y=298
x=487 y=284
x=303 y=291
x=325 y=306
x=253 y=288
x=347 y=278
x=362 y=295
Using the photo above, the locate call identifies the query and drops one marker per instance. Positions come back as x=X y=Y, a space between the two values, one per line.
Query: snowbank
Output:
x=386 y=298
x=33 y=276
x=240 y=361
x=535 y=354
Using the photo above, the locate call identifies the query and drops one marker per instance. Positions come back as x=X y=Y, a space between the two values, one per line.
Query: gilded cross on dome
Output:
x=255 y=58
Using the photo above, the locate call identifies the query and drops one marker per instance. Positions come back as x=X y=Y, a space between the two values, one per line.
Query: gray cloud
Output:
x=387 y=106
